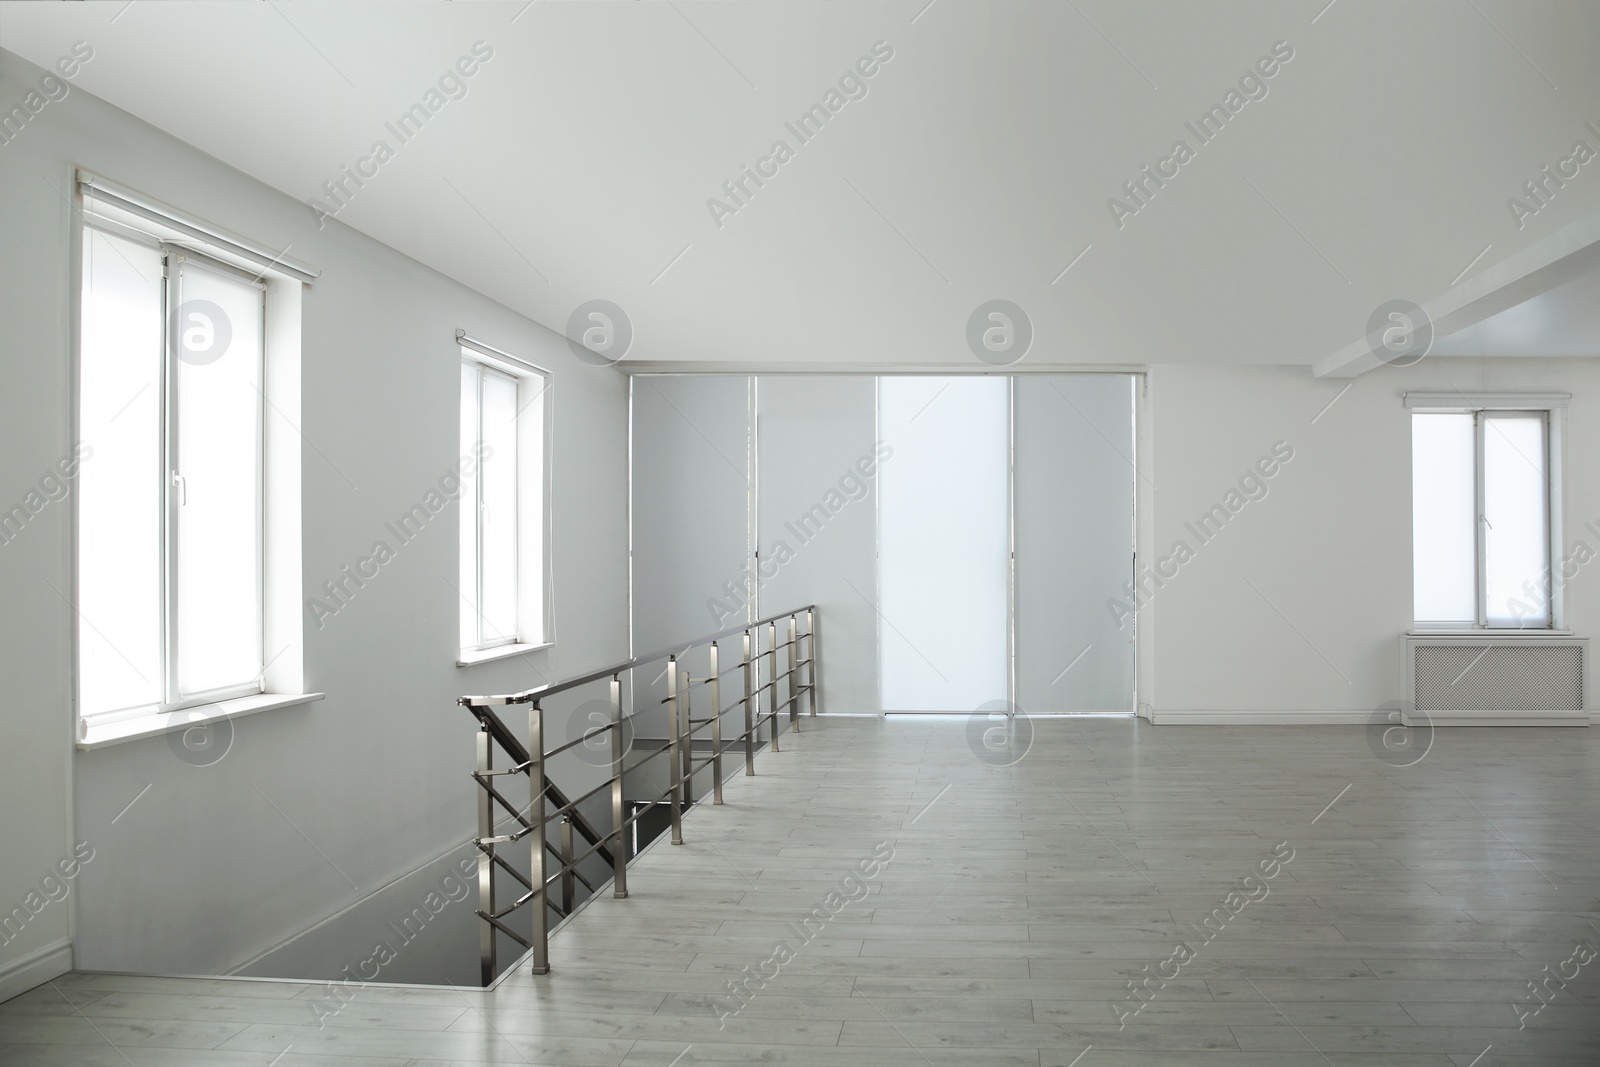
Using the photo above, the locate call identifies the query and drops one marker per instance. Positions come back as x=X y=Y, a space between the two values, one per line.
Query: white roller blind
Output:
x=819 y=465
x=691 y=506
x=1074 y=541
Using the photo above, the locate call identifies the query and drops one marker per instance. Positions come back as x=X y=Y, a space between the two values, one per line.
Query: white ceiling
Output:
x=978 y=166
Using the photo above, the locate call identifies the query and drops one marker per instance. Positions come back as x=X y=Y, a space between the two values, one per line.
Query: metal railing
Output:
x=531 y=758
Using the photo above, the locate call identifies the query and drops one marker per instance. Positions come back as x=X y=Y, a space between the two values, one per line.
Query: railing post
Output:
x=749 y=714
x=486 y=930
x=811 y=660
x=619 y=855
x=686 y=709
x=772 y=678
x=794 y=674
x=716 y=728
x=569 y=886
x=541 y=917
x=674 y=744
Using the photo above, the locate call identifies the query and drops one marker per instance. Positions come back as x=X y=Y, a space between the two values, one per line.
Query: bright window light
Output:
x=120 y=507
x=943 y=542
x=170 y=521
x=1481 y=519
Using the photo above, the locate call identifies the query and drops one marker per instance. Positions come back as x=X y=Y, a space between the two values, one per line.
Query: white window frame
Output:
x=130 y=215
x=1551 y=408
x=535 y=624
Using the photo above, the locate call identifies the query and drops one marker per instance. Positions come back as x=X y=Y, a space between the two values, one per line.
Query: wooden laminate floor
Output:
x=1018 y=905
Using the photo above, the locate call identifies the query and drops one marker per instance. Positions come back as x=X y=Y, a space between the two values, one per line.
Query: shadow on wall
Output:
x=419 y=928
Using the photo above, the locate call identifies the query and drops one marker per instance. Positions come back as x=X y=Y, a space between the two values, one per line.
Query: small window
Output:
x=1481 y=515
x=503 y=563
x=170 y=520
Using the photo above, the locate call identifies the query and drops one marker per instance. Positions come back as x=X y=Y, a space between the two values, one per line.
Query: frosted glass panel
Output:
x=1074 y=541
x=1516 y=537
x=119 y=517
x=1443 y=493
x=692 y=490
x=817 y=514
x=219 y=343
x=943 y=542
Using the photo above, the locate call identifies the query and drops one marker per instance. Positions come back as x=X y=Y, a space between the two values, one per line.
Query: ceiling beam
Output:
x=1564 y=255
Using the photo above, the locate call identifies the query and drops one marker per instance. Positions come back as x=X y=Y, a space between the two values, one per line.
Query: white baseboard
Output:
x=35 y=969
x=1259 y=717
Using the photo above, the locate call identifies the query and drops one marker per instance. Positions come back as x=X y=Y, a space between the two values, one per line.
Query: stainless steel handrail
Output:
x=552 y=688
x=530 y=758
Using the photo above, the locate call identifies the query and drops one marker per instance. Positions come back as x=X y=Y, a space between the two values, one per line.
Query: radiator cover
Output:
x=1496 y=679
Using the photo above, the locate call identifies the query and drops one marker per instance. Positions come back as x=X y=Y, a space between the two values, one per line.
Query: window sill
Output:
x=488 y=655
x=115 y=733
x=1486 y=631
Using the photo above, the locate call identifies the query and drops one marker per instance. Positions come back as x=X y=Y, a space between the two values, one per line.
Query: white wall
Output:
x=1328 y=549
x=34 y=388
x=215 y=864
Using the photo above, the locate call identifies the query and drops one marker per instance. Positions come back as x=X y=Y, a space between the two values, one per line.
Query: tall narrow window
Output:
x=502 y=571
x=170 y=522
x=1481 y=506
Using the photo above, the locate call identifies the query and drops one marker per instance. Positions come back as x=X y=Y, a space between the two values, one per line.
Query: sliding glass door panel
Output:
x=691 y=502
x=818 y=468
x=943 y=542
x=1074 y=516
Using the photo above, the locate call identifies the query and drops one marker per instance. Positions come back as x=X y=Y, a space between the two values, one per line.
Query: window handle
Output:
x=183 y=488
